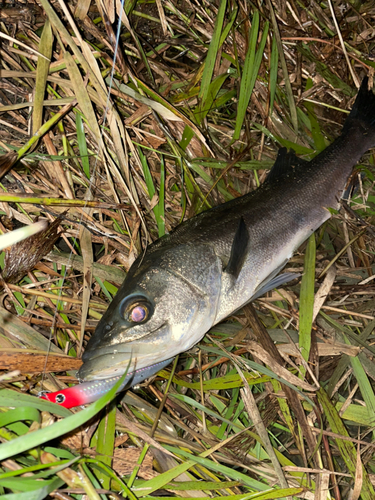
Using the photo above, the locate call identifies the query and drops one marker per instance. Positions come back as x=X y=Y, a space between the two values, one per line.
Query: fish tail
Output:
x=362 y=115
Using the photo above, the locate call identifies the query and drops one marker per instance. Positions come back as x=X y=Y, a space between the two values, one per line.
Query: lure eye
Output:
x=138 y=311
x=60 y=398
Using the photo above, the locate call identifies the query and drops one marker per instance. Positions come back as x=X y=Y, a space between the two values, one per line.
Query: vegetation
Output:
x=115 y=132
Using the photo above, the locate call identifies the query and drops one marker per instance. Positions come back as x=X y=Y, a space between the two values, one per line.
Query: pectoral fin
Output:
x=239 y=251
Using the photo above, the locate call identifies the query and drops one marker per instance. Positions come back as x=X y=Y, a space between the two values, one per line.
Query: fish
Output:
x=213 y=264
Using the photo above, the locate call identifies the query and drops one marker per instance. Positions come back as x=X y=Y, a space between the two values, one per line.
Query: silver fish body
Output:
x=216 y=262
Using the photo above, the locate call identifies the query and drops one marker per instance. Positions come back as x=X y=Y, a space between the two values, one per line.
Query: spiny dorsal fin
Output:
x=286 y=164
x=239 y=250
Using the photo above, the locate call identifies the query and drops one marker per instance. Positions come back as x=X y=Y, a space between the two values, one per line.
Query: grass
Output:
x=118 y=143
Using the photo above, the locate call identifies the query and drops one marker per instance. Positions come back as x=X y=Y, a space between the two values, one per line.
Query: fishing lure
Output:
x=90 y=391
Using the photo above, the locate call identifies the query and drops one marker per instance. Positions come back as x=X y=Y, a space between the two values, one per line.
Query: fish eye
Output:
x=137 y=311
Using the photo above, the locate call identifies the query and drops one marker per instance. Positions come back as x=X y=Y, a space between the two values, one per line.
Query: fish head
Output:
x=162 y=309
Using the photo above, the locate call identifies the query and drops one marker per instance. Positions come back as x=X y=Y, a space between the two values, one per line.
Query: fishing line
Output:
x=91 y=187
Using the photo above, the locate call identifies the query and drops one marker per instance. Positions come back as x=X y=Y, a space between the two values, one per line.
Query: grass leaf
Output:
x=212 y=54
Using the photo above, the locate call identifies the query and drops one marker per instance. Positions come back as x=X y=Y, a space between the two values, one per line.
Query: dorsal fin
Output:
x=239 y=250
x=363 y=110
x=286 y=164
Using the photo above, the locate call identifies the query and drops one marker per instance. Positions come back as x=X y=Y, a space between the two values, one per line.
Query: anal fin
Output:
x=274 y=280
x=274 y=283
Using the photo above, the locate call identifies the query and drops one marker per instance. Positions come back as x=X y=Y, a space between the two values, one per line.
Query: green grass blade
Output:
x=82 y=145
x=273 y=73
x=105 y=443
x=19 y=414
x=212 y=53
x=38 y=494
x=229 y=24
x=165 y=478
x=288 y=86
x=159 y=209
x=250 y=72
x=58 y=429
x=45 y=48
x=147 y=174
x=228 y=471
x=26 y=148
x=346 y=449
x=23 y=483
x=207 y=105
x=247 y=73
x=268 y=495
x=364 y=384
x=9 y=398
x=307 y=299
x=104 y=288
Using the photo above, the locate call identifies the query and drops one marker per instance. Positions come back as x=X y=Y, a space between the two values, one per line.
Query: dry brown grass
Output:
x=119 y=157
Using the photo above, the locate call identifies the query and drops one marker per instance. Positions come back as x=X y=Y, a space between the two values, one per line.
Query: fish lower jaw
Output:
x=107 y=366
x=116 y=360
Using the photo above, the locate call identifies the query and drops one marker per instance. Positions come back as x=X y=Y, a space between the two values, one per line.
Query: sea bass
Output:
x=218 y=261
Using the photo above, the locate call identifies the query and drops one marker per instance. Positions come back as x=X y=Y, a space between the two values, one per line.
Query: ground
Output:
x=117 y=133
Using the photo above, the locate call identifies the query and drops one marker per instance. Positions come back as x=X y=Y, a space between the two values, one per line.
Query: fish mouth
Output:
x=114 y=360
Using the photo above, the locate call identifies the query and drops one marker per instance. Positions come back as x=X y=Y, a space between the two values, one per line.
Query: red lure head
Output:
x=81 y=394
x=68 y=398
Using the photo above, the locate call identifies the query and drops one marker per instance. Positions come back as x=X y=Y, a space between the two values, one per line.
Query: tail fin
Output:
x=363 y=110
